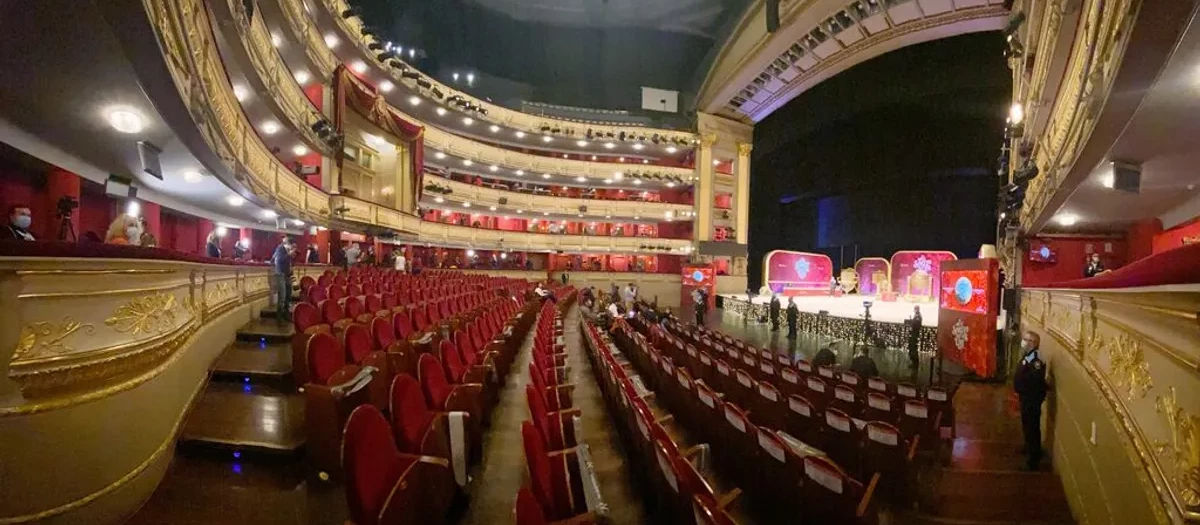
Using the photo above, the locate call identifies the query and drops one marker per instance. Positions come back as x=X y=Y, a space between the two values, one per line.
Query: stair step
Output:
x=268 y=330
x=1002 y=495
x=256 y=360
x=247 y=416
x=977 y=454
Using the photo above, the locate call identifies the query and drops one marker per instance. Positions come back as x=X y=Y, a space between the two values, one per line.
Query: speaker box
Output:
x=1127 y=176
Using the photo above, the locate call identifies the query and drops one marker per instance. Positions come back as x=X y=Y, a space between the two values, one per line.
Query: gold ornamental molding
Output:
x=1139 y=350
x=306 y=31
x=597 y=209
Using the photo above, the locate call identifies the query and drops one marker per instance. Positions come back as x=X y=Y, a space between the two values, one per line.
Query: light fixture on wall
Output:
x=302 y=77
x=299 y=149
x=358 y=66
x=269 y=127
x=1066 y=219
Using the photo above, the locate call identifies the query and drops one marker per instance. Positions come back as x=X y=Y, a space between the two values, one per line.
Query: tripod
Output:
x=65 y=228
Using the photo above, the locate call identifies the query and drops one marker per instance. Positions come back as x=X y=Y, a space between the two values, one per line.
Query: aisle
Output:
x=503 y=470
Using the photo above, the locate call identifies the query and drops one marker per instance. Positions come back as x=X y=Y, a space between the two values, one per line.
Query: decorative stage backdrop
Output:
x=698 y=277
x=872 y=272
x=797 y=273
x=915 y=274
x=968 y=307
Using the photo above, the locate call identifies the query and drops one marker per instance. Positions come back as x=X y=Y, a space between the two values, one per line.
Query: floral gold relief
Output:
x=43 y=339
x=152 y=314
x=1128 y=368
x=1183 y=448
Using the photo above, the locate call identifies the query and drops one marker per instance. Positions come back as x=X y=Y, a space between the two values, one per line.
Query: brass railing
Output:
x=596 y=208
x=306 y=32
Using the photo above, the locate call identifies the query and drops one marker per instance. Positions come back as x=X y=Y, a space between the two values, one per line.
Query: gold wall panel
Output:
x=1139 y=353
x=302 y=25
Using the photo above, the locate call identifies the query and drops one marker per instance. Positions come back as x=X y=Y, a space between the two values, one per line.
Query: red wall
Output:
x=1070 y=255
x=1173 y=238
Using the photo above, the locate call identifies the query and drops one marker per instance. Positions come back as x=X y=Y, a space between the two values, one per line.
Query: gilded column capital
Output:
x=744 y=148
x=708 y=139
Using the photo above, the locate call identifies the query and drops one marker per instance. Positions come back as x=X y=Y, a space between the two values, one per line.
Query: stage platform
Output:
x=851 y=307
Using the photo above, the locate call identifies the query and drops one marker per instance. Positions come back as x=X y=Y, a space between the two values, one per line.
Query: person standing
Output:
x=1030 y=384
x=1094 y=266
x=793 y=317
x=401 y=262
x=773 y=313
x=352 y=252
x=212 y=247
x=914 y=337
x=564 y=277
x=311 y=255
x=20 y=217
x=698 y=301
x=281 y=262
x=630 y=296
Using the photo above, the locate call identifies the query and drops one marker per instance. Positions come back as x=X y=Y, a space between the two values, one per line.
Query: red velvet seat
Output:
x=331 y=311
x=334 y=389
x=443 y=396
x=885 y=451
x=420 y=430
x=831 y=496
x=557 y=427
x=527 y=511
x=385 y=486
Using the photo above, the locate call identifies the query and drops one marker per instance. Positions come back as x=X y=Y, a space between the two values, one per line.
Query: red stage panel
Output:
x=867 y=268
x=969 y=307
x=915 y=273
x=698 y=277
x=797 y=273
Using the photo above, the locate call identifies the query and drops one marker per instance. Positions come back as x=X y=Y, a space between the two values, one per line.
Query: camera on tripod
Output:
x=66 y=206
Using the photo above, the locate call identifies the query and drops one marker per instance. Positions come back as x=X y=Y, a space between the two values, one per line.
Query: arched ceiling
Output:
x=756 y=72
x=696 y=17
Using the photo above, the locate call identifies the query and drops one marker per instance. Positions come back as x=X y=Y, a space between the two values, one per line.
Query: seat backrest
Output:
x=354 y=307
x=316 y=294
x=356 y=339
x=402 y=324
x=538 y=464
x=371 y=462
x=419 y=320
x=527 y=510
x=451 y=361
x=383 y=332
x=410 y=413
x=433 y=381
x=374 y=303
x=325 y=357
x=305 y=315
x=331 y=311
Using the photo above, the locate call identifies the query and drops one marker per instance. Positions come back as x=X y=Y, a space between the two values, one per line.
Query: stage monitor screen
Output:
x=965 y=291
x=1043 y=254
x=968 y=308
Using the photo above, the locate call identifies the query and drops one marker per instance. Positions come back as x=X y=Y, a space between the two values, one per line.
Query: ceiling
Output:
x=698 y=17
x=1161 y=137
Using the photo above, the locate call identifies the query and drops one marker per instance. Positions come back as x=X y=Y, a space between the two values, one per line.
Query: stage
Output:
x=851 y=307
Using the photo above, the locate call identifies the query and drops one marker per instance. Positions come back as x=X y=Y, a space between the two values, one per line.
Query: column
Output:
x=322 y=240
x=742 y=194
x=704 y=187
x=59 y=183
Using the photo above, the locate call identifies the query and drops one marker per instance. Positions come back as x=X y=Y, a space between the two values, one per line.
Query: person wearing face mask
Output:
x=124 y=230
x=1094 y=266
x=19 y=220
x=1030 y=385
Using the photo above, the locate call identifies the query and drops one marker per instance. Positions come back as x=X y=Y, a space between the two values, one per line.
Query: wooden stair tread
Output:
x=247 y=416
x=254 y=359
x=269 y=329
x=975 y=454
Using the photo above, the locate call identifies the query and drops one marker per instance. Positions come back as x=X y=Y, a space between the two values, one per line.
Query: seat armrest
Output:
x=354 y=384
x=868 y=495
x=728 y=498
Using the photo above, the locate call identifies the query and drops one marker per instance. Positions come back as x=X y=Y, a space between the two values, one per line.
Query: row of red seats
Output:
x=682 y=486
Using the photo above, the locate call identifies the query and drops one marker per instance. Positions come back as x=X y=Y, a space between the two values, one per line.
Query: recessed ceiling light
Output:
x=441 y=112
x=494 y=128
x=276 y=40
x=386 y=86
x=581 y=143
x=302 y=77
x=492 y=208
x=439 y=155
x=637 y=182
x=645 y=161
x=358 y=66
x=547 y=138
x=270 y=127
x=608 y=216
x=672 y=149
x=299 y=149
x=414 y=100
x=546 y=175
x=467 y=162
x=565 y=156
x=638 y=146
x=1108 y=180
x=297 y=222
x=467 y=121
x=239 y=92
x=126 y=120
x=609 y=145
x=618 y=175
x=192 y=176
x=620 y=159
x=494 y=168
x=608 y=181
x=520 y=173
x=466 y=205
x=439 y=200
x=235 y=201
x=331 y=40
x=581 y=178
x=1066 y=219
x=716 y=162
x=545 y=213
x=670 y=184
x=520 y=211
x=269 y=214
x=593 y=157
x=520 y=134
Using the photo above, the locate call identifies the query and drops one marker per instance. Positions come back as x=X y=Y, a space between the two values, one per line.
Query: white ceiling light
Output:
x=299 y=149
x=470 y=77
x=492 y=208
x=609 y=145
x=466 y=205
x=270 y=127
x=494 y=168
x=276 y=40
x=467 y=162
x=470 y=253
x=716 y=162
x=520 y=211
x=358 y=66
x=269 y=214
x=494 y=128
x=1066 y=219
x=439 y=155
x=618 y=175
x=637 y=182
x=302 y=77
x=133 y=209
x=439 y=200
x=672 y=149
x=414 y=100
x=467 y=121
x=645 y=161
x=441 y=112
x=192 y=176
x=386 y=86
x=581 y=143
x=546 y=175
x=593 y=157
x=620 y=159
x=581 y=178
x=547 y=139
x=235 y=201
x=1016 y=114
x=520 y=173
x=239 y=92
x=565 y=156
x=670 y=184
x=1108 y=180
x=221 y=231
x=608 y=181
x=126 y=120
x=520 y=134
x=545 y=213
x=638 y=146
x=297 y=222
x=331 y=40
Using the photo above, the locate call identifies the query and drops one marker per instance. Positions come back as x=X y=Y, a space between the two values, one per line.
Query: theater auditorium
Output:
x=711 y=262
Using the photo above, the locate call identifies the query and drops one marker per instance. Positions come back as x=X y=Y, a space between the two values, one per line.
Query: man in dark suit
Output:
x=1094 y=266
x=863 y=365
x=1030 y=384
x=793 y=317
x=774 y=313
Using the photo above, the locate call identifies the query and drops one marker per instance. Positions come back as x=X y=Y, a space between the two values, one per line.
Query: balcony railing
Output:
x=306 y=31
x=595 y=208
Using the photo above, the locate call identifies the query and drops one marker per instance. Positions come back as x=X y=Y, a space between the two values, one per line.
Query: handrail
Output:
x=352 y=29
x=306 y=31
x=1177 y=266
x=596 y=208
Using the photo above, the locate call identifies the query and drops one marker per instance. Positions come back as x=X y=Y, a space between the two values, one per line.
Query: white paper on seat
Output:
x=906 y=391
x=843 y=394
x=771 y=447
x=458 y=446
x=880 y=435
x=799 y=407
x=823 y=477
x=879 y=403
x=915 y=410
x=936 y=394
x=591 y=486
x=838 y=422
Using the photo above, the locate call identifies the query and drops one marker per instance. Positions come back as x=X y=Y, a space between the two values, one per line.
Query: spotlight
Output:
x=126 y=120
x=270 y=127
x=581 y=143
x=520 y=134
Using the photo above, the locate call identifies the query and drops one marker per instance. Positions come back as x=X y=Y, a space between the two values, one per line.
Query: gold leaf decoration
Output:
x=150 y=314
x=45 y=338
x=1183 y=448
x=1129 y=369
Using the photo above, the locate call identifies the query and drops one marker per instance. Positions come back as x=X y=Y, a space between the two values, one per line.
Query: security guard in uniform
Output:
x=774 y=313
x=793 y=317
x=1030 y=384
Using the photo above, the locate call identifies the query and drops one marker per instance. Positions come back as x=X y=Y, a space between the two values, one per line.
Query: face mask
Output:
x=1025 y=345
x=133 y=233
x=22 y=221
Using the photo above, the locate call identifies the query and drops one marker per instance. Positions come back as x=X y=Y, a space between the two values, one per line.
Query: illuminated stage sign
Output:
x=797 y=273
x=873 y=272
x=969 y=298
x=915 y=274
